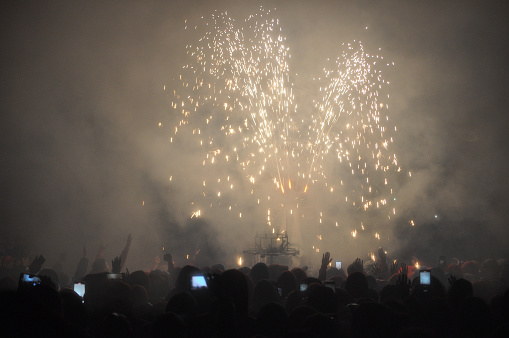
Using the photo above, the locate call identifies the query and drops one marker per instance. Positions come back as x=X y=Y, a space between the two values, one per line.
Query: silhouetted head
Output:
x=235 y=286
x=459 y=290
x=322 y=299
x=374 y=320
x=299 y=274
x=183 y=305
x=275 y=270
x=159 y=285
x=138 y=277
x=265 y=292
x=287 y=282
x=297 y=317
x=245 y=270
x=258 y=272
x=183 y=282
x=272 y=321
x=357 y=285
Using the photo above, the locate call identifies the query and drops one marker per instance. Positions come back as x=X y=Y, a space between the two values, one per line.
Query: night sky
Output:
x=82 y=95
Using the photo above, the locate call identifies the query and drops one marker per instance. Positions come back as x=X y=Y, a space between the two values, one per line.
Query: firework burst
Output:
x=237 y=114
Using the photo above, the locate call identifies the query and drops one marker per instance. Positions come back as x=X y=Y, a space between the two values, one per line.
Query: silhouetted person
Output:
x=258 y=272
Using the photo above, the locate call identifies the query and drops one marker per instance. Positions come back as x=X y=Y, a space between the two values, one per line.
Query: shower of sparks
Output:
x=237 y=111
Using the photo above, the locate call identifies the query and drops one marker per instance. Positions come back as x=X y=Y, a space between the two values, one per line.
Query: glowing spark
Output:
x=235 y=101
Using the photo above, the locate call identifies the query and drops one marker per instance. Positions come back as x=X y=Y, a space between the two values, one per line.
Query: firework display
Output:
x=255 y=152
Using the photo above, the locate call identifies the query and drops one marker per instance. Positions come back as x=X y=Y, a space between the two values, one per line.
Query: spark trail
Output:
x=258 y=153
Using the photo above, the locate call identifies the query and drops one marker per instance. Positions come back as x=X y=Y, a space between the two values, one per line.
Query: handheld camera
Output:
x=425 y=277
x=115 y=276
x=26 y=279
x=79 y=288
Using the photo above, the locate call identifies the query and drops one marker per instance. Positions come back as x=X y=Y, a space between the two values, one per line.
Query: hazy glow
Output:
x=239 y=114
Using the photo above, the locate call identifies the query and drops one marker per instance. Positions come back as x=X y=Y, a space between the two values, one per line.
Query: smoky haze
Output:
x=85 y=162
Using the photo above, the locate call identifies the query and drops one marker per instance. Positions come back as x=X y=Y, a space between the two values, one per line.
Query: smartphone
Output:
x=338 y=265
x=28 y=279
x=79 y=288
x=198 y=282
x=115 y=276
x=303 y=287
x=425 y=277
x=331 y=285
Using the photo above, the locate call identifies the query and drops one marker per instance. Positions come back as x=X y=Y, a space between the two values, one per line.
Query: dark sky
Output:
x=82 y=92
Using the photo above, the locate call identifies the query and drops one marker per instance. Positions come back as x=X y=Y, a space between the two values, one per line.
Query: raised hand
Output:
x=404 y=269
x=403 y=283
x=394 y=268
x=125 y=252
x=322 y=273
x=359 y=264
x=326 y=259
x=377 y=269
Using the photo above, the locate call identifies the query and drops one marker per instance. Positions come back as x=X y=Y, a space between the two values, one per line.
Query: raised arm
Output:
x=123 y=255
x=171 y=266
x=322 y=274
x=81 y=269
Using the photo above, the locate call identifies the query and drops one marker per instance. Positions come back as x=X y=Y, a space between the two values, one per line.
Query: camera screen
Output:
x=79 y=288
x=425 y=277
x=338 y=265
x=303 y=286
x=26 y=278
x=198 y=282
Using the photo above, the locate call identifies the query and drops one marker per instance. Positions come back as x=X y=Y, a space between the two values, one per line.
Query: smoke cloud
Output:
x=84 y=160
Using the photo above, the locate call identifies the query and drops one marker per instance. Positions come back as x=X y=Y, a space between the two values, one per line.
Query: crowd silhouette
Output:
x=369 y=299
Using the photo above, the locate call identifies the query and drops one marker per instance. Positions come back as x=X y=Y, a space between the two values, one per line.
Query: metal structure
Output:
x=271 y=245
